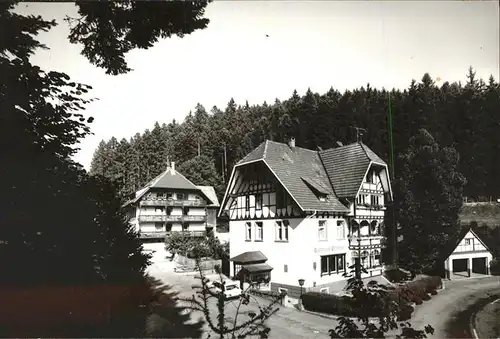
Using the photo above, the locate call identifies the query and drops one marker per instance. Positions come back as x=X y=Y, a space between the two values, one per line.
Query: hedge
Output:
x=413 y=292
x=328 y=303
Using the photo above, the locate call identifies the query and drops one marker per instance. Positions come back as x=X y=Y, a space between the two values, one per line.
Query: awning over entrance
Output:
x=249 y=257
x=256 y=268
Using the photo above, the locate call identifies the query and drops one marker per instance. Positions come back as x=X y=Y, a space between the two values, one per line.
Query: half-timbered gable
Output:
x=257 y=194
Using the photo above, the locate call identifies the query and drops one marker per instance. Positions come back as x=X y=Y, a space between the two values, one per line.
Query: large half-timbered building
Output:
x=297 y=214
x=171 y=203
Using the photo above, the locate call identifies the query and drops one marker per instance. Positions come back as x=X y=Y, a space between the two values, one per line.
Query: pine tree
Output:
x=98 y=159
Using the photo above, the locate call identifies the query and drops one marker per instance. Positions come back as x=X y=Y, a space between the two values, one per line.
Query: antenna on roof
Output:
x=359 y=133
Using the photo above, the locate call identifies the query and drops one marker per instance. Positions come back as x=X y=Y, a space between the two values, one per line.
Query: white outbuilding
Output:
x=470 y=257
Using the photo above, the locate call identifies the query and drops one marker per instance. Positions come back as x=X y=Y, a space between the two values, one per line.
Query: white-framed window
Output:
x=324 y=290
x=467 y=241
x=375 y=258
x=322 y=233
x=340 y=229
x=375 y=200
x=159 y=226
x=362 y=199
x=365 y=260
x=259 y=231
x=180 y=196
x=258 y=202
x=285 y=268
x=369 y=177
x=248 y=231
x=281 y=231
x=332 y=264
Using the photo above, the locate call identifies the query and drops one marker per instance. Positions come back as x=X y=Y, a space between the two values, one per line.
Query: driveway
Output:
x=458 y=295
x=286 y=323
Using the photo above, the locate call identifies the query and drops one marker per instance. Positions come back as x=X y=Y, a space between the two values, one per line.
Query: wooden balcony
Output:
x=170 y=202
x=163 y=234
x=172 y=218
x=188 y=233
x=152 y=235
x=194 y=218
x=366 y=242
x=153 y=218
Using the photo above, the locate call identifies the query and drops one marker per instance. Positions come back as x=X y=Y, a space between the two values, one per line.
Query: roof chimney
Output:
x=172 y=166
x=291 y=143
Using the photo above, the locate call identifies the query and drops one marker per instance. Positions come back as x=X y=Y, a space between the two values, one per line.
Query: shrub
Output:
x=495 y=267
x=328 y=303
x=396 y=276
x=405 y=312
x=418 y=290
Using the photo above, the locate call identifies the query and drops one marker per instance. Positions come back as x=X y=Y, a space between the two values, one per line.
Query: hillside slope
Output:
x=482 y=213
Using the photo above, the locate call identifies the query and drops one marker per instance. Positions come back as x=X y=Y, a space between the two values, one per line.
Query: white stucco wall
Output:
x=300 y=252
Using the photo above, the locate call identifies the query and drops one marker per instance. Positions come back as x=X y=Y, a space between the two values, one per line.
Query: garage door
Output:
x=460 y=265
x=479 y=265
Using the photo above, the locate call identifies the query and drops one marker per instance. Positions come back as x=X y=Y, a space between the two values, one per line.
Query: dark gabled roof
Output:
x=346 y=167
x=290 y=165
x=455 y=241
x=316 y=185
x=249 y=257
x=255 y=268
x=257 y=154
x=170 y=178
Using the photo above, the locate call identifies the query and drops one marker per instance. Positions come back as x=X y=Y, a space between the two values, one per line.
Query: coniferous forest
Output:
x=210 y=141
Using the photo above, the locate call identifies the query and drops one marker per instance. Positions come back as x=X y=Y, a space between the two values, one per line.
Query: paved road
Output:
x=286 y=323
x=457 y=296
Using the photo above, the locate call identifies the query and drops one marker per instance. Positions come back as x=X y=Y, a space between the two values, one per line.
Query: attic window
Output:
x=317 y=187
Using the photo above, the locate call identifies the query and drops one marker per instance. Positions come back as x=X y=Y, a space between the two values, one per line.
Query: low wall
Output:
x=205 y=263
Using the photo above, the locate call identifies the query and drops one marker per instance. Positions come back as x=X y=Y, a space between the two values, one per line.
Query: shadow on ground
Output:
x=459 y=324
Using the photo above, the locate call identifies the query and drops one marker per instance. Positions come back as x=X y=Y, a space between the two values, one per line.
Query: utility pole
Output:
x=391 y=157
x=225 y=162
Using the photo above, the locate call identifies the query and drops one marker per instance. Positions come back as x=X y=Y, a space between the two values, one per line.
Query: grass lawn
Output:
x=488 y=321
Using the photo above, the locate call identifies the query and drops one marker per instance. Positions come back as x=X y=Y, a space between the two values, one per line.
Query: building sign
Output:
x=330 y=249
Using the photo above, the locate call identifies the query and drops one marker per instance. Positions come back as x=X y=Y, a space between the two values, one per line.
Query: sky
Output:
x=311 y=44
